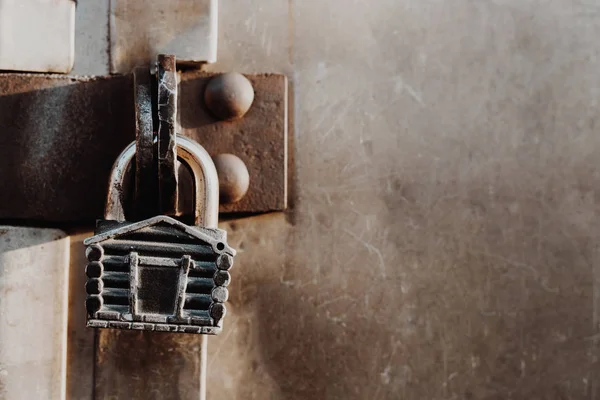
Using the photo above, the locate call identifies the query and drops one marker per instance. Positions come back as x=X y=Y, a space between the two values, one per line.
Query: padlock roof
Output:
x=213 y=236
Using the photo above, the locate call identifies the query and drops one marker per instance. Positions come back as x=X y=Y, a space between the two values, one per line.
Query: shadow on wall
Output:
x=90 y=113
x=20 y=238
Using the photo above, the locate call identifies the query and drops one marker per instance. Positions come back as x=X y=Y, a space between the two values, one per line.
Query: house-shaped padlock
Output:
x=159 y=274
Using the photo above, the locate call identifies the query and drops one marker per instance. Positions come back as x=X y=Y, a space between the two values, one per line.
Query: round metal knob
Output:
x=234 y=178
x=229 y=96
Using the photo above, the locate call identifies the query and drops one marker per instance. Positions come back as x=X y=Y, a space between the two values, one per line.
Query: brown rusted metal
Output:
x=229 y=96
x=146 y=179
x=150 y=365
x=167 y=136
x=259 y=139
x=234 y=179
x=61 y=135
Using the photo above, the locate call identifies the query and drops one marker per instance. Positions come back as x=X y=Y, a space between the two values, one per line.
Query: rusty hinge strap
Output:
x=167 y=135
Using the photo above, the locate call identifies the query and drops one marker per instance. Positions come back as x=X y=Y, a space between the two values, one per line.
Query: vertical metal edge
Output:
x=65 y=317
x=133 y=283
x=111 y=35
x=95 y=359
x=184 y=270
x=167 y=137
x=285 y=140
x=203 y=366
x=214 y=31
x=146 y=181
x=114 y=209
x=71 y=62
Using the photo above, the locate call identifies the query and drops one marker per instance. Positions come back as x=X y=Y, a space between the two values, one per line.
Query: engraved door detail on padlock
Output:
x=158 y=274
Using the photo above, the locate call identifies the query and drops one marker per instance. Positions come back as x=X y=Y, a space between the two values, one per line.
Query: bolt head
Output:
x=229 y=96
x=234 y=178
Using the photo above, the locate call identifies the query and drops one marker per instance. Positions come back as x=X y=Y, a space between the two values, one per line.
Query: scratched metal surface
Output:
x=33 y=313
x=140 y=30
x=442 y=240
x=44 y=117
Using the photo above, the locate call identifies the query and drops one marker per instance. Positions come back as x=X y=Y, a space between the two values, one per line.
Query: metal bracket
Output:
x=60 y=136
x=166 y=74
x=146 y=185
x=156 y=174
x=138 y=35
x=37 y=35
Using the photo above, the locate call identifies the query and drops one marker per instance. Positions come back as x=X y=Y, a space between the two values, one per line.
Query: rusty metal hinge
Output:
x=60 y=136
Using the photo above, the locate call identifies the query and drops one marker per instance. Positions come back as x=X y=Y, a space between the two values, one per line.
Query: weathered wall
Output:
x=34 y=272
x=442 y=242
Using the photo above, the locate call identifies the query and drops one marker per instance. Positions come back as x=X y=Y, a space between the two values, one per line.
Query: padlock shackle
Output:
x=206 y=182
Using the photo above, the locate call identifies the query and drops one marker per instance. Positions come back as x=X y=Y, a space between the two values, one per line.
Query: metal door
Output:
x=441 y=241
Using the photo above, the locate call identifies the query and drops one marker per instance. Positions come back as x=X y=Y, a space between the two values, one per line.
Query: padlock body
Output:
x=158 y=274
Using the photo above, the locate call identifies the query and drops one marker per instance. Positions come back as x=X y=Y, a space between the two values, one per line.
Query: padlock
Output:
x=160 y=274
